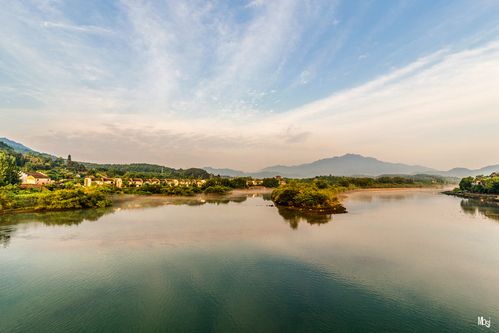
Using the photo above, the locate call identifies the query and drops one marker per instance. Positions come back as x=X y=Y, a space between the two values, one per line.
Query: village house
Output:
x=254 y=182
x=35 y=178
x=137 y=182
x=171 y=182
x=118 y=182
x=153 y=181
x=200 y=182
x=184 y=182
x=281 y=180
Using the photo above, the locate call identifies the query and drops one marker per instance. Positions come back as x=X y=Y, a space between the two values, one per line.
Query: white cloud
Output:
x=77 y=28
x=191 y=74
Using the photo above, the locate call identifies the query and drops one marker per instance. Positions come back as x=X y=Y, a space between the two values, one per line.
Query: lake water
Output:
x=399 y=261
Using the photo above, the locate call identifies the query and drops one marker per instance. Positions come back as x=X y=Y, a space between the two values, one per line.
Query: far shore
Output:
x=395 y=189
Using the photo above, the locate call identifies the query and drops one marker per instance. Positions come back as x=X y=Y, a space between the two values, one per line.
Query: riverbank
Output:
x=35 y=201
x=476 y=196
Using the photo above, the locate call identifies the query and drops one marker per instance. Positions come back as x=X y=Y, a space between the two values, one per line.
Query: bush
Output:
x=307 y=196
x=217 y=189
x=270 y=182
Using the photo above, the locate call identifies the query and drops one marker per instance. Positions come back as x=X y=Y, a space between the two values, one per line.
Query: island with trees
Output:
x=484 y=188
x=321 y=194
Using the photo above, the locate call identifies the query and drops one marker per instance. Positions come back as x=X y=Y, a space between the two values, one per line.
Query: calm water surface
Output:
x=399 y=261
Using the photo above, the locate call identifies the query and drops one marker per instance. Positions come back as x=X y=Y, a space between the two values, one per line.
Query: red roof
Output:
x=37 y=175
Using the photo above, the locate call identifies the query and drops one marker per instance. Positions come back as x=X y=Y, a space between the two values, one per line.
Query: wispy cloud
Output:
x=77 y=28
x=207 y=83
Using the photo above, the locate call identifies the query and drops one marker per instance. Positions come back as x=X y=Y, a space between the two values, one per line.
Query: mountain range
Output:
x=345 y=165
x=353 y=165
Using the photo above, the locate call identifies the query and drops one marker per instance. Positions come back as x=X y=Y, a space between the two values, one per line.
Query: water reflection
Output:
x=138 y=202
x=9 y=222
x=476 y=207
x=294 y=217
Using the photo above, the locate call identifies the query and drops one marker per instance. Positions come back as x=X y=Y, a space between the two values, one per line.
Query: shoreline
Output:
x=476 y=196
x=123 y=198
x=346 y=193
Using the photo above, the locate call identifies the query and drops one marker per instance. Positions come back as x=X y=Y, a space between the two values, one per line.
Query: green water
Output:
x=399 y=261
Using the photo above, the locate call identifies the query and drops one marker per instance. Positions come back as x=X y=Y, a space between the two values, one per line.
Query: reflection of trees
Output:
x=9 y=222
x=5 y=234
x=267 y=196
x=474 y=207
x=69 y=217
x=295 y=216
x=225 y=200
x=137 y=202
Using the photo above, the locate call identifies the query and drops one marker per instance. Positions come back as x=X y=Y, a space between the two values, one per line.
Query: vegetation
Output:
x=9 y=171
x=480 y=184
x=217 y=189
x=308 y=196
x=377 y=182
x=270 y=182
x=15 y=198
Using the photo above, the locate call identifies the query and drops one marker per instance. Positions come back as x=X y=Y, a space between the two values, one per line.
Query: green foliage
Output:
x=307 y=196
x=217 y=189
x=270 y=182
x=12 y=198
x=379 y=182
x=239 y=182
x=9 y=171
x=231 y=183
x=480 y=184
x=465 y=183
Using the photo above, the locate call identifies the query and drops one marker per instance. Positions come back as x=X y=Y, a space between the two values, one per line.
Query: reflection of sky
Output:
x=398 y=246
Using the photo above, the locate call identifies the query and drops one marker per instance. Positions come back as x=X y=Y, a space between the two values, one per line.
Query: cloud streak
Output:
x=246 y=86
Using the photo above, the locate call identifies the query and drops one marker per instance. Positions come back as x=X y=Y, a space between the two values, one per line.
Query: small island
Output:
x=308 y=197
x=483 y=188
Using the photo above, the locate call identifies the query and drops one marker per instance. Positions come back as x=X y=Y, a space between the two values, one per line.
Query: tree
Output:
x=465 y=183
x=9 y=171
x=270 y=182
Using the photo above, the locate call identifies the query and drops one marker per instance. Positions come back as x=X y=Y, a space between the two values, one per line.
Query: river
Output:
x=398 y=261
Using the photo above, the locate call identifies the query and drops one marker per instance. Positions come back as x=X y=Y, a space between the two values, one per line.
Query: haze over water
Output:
x=411 y=260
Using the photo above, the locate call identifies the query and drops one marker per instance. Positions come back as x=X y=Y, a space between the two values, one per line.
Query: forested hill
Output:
x=58 y=167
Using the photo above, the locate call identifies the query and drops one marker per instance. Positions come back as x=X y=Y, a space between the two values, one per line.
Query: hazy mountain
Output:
x=225 y=172
x=18 y=147
x=348 y=165
x=352 y=165
x=464 y=172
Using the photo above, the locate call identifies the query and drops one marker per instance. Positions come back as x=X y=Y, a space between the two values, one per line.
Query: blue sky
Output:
x=247 y=84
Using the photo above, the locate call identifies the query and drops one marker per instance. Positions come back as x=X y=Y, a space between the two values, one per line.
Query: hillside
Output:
x=17 y=147
x=32 y=160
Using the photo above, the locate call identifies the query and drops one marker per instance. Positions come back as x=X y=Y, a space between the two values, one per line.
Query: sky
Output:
x=249 y=84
